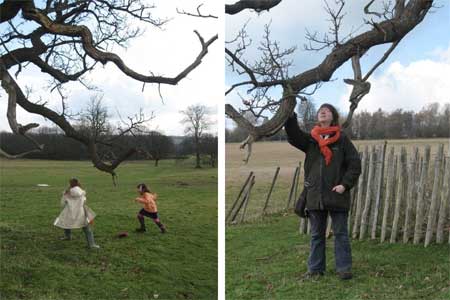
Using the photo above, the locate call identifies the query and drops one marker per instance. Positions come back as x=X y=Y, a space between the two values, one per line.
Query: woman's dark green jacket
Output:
x=345 y=168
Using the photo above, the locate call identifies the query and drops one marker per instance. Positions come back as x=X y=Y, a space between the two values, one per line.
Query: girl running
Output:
x=148 y=199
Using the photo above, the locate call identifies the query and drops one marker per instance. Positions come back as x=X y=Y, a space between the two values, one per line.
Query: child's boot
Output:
x=161 y=226
x=142 y=222
x=67 y=235
x=90 y=238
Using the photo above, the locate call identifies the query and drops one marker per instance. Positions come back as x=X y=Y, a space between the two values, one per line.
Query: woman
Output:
x=75 y=213
x=332 y=167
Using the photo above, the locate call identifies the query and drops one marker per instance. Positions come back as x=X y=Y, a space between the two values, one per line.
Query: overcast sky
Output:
x=164 y=52
x=416 y=73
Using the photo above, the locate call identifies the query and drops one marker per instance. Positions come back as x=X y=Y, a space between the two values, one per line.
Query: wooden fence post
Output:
x=399 y=195
x=368 y=198
x=239 y=196
x=297 y=180
x=357 y=217
x=410 y=194
x=390 y=184
x=291 y=191
x=417 y=166
x=302 y=226
x=271 y=188
x=351 y=211
x=420 y=196
x=247 y=198
x=434 y=196
x=379 y=186
x=241 y=204
x=328 y=230
x=445 y=195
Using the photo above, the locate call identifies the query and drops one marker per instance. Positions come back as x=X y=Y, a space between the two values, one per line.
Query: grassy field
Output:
x=181 y=264
x=266 y=260
x=266 y=156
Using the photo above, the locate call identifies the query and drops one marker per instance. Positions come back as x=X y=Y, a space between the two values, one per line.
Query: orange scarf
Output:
x=317 y=133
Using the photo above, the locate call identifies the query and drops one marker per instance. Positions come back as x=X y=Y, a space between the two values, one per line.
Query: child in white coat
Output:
x=75 y=213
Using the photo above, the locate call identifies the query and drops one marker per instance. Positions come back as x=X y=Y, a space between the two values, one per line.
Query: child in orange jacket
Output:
x=148 y=199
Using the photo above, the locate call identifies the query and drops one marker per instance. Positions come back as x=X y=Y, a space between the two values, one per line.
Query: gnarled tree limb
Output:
x=70 y=39
x=257 y=5
x=13 y=88
x=88 y=44
x=7 y=82
x=388 y=31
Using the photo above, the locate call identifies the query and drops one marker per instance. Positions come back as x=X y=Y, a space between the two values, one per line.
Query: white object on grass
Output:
x=42 y=184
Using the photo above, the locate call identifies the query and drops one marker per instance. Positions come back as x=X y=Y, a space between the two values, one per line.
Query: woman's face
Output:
x=325 y=116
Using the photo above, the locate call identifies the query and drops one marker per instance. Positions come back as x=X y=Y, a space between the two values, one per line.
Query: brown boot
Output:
x=312 y=275
x=345 y=275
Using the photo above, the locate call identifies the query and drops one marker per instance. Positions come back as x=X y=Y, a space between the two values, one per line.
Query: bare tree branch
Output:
x=66 y=40
x=257 y=5
x=388 y=31
x=7 y=83
x=198 y=14
x=385 y=56
x=399 y=8
x=61 y=121
x=85 y=34
x=366 y=9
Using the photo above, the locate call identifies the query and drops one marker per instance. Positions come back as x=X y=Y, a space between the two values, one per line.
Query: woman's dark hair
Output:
x=73 y=182
x=334 y=112
x=143 y=188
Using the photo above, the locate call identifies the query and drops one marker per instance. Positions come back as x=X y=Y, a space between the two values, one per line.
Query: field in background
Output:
x=35 y=264
x=266 y=156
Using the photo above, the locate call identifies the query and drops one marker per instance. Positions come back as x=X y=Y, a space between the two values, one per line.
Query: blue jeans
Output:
x=342 y=248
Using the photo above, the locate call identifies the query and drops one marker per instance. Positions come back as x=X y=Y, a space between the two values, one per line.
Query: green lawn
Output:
x=266 y=260
x=181 y=264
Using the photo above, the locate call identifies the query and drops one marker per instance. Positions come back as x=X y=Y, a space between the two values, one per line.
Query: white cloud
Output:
x=442 y=54
x=411 y=86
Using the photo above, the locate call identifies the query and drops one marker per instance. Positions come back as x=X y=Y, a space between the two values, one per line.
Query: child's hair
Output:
x=74 y=182
x=143 y=188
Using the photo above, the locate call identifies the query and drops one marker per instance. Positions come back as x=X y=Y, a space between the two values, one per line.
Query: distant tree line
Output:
x=156 y=146
x=431 y=121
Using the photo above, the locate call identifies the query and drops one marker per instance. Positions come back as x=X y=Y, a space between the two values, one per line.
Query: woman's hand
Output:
x=338 y=189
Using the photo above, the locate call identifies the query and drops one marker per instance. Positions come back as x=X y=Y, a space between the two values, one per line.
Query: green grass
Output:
x=179 y=265
x=266 y=260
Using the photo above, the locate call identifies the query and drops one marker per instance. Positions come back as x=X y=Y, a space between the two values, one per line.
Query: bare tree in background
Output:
x=66 y=39
x=94 y=119
x=158 y=145
x=209 y=144
x=196 y=120
x=394 y=21
x=307 y=114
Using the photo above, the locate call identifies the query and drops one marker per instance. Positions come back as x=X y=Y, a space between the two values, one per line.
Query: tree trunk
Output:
x=197 y=150
x=213 y=161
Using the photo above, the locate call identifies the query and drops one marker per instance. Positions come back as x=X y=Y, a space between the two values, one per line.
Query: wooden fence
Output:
x=404 y=198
